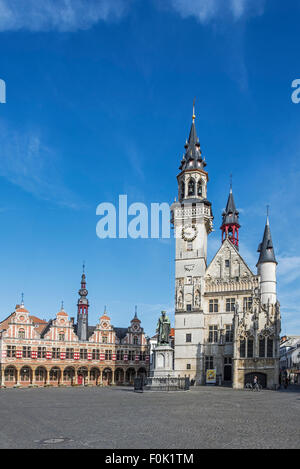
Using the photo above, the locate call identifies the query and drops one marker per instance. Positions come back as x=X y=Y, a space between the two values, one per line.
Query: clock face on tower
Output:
x=189 y=232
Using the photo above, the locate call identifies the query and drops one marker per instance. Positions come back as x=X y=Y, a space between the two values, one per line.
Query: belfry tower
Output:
x=82 y=310
x=230 y=223
x=192 y=219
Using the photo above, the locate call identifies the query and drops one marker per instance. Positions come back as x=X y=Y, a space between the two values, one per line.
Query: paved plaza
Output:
x=119 y=418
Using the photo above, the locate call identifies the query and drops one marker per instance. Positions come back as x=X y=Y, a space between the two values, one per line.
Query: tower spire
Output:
x=230 y=223
x=192 y=158
x=82 y=309
x=266 y=249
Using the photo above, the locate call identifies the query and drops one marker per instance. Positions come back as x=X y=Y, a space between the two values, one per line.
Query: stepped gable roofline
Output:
x=230 y=245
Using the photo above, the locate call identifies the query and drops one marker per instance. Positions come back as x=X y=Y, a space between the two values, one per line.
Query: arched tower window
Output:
x=191 y=187
x=200 y=189
x=182 y=190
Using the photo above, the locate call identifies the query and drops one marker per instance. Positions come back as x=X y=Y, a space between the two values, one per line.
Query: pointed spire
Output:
x=230 y=222
x=22 y=299
x=231 y=214
x=135 y=314
x=192 y=158
x=62 y=306
x=266 y=248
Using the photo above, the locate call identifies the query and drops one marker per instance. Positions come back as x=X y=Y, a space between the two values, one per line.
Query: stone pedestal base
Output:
x=163 y=362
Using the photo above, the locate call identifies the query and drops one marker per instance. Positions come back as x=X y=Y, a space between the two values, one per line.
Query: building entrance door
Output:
x=80 y=379
x=227 y=369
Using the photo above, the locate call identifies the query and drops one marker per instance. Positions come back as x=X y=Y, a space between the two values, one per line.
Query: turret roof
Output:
x=266 y=248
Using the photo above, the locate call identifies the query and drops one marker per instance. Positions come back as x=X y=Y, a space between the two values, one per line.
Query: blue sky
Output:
x=99 y=103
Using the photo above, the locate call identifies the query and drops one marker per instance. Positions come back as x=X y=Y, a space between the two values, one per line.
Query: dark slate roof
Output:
x=192 y=158
x=91 y=330
x=121 y=332
x=231 y=215
x=47 y=328
x=266 y=248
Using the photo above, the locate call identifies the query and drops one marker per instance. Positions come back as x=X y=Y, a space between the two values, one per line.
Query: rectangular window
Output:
x=104 y=339
x=189 y=246
x=11 y=351
x=55 y=352
x=26 y=352
x=188 y=338
x=213 y=334
x=108 y=354
x=227 y=263
x=189 y=307
x=188 y=366
x=41 y=352
x=270 y=348
x=96 y=354
x=242 y=348
x=83 y=354
x=70 y=353
x=213 y=306
x=228 y=333
x=61 y=336
x=209 y=363
x=262 y=344
x=250 y=348
x=247 y=303
x=230 y=305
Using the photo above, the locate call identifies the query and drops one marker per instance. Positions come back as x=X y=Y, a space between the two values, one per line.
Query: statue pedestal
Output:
x=163 y=361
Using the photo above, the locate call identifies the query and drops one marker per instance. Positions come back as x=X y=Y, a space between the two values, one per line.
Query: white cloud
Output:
x=61 y=15
x=29 y=164
x=289 y=268
x=207 y=10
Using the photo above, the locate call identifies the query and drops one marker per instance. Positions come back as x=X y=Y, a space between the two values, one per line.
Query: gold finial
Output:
x=194 y=102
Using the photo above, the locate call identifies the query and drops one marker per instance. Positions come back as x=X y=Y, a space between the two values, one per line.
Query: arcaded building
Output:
x=62 y=352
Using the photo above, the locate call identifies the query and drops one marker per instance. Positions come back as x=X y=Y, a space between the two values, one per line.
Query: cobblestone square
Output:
x=118 y=418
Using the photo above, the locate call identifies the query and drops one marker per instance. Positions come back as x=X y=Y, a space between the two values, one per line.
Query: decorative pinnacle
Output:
x=83 y=266
x=62 y=306
x=268 y=210
x=194 y=115
x=231 y=183
x=22 y=299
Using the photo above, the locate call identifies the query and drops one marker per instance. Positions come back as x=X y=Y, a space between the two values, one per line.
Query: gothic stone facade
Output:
x=226 y=317
x=34 y=352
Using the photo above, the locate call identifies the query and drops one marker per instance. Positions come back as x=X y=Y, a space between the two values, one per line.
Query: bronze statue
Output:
x=163 y=329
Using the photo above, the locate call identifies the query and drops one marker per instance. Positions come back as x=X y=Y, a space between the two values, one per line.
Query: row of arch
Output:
x=192 y=189
x=70 y=376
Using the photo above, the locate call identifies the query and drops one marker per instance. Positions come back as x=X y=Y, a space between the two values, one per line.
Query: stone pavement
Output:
x=119 y=418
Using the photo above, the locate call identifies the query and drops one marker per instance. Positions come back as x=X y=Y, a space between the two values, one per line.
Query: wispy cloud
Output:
x=61 y=15
x=28 y=163
x=289 y=268
x=207 y=10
